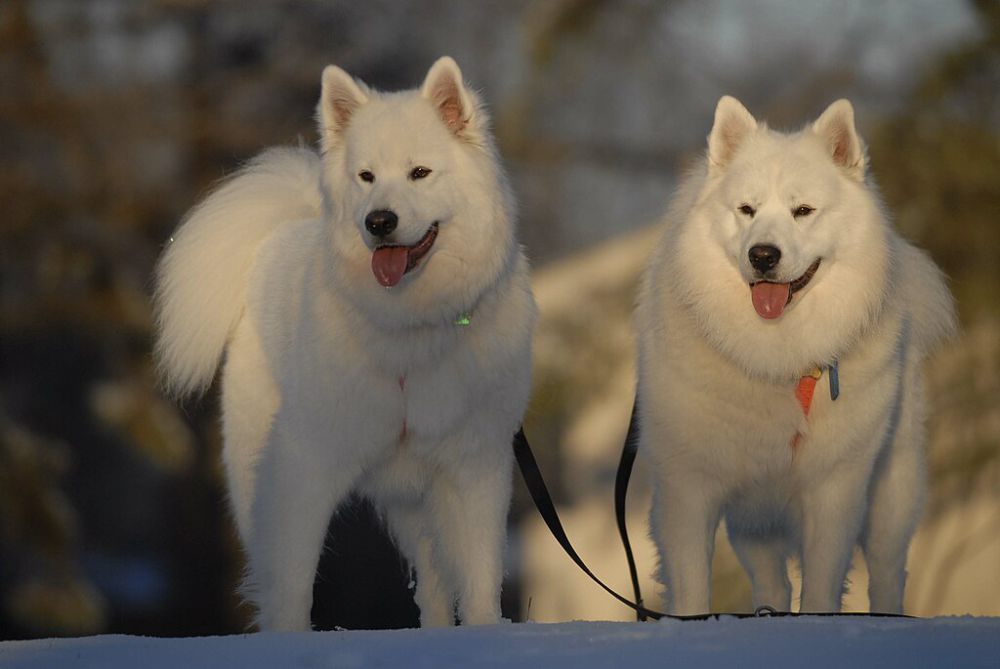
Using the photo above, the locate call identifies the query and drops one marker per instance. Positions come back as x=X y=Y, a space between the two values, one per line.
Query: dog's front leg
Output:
x=411 y=525
x=684 y=518
x=469 y=499
x=296 y=494
x=897 y=492
x=832 y=515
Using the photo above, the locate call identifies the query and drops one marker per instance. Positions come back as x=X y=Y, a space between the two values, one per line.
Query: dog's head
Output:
x=788 y=198
x=800 y=239
x=419 y=208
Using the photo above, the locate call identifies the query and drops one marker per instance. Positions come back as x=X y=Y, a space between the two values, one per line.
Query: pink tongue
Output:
x=389 y=264
x=769 y=299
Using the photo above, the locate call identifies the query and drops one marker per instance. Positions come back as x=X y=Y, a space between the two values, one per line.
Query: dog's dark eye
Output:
x=747 y=210
x=366 y=176
x=802 y=210
x=419 y=173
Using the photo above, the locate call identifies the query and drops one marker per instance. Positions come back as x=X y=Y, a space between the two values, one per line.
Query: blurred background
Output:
x=116 y=116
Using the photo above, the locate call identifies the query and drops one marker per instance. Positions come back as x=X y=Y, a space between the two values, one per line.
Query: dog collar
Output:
x=806 y=388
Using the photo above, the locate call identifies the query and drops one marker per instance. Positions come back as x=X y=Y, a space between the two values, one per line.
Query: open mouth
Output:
x=769 y=299
x=391 y=261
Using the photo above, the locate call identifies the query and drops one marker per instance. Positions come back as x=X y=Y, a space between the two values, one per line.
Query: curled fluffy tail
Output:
x=201 y=279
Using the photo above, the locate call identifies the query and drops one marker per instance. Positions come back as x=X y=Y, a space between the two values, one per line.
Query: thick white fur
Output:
x=332 y=383
x=202 y=276
x=717 y=381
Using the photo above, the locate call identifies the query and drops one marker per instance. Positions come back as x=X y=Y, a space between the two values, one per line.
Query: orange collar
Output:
x=806 y=388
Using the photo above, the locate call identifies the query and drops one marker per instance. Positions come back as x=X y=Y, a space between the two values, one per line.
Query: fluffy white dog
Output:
x=376 y=316
x=782 y=325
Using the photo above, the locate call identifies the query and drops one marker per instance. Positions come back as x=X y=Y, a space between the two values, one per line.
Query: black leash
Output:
x=543 y=501
x=546 y=508
x=629 y=451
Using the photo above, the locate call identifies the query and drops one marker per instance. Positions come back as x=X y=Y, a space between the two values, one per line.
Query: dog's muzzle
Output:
x=391 y=261
x=770 y=298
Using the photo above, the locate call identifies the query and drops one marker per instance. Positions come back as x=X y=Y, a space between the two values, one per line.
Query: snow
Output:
x=814 y=642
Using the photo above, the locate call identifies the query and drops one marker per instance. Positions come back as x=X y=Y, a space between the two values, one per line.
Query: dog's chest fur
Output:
x=373 y=389
x=741 y=428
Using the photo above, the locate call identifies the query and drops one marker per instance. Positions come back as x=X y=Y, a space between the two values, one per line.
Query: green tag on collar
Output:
x=463 y=320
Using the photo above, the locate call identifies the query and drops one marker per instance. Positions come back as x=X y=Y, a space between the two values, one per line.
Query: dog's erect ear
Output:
x=444 y=88
x=340 y=98
x=835 y=126
x=733 y=124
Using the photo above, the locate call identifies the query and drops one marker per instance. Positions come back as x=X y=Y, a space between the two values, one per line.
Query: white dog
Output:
x=376 y=316
x=782 y=324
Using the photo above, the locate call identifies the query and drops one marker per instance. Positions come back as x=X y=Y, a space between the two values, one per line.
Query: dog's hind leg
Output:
x=408 y=526
x=896 y=500
x=249 y=402
x=765 y=559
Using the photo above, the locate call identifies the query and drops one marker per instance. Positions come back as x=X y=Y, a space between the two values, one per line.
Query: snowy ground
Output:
x=771 y=643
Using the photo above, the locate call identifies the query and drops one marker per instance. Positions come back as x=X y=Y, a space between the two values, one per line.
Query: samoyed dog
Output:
x=376 y=317
x=782 y=323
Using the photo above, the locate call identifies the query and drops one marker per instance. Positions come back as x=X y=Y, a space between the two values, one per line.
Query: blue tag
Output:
x=834 y=381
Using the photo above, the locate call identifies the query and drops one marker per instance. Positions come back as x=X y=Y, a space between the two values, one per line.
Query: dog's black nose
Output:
x=764 y=257
x=381 y=222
